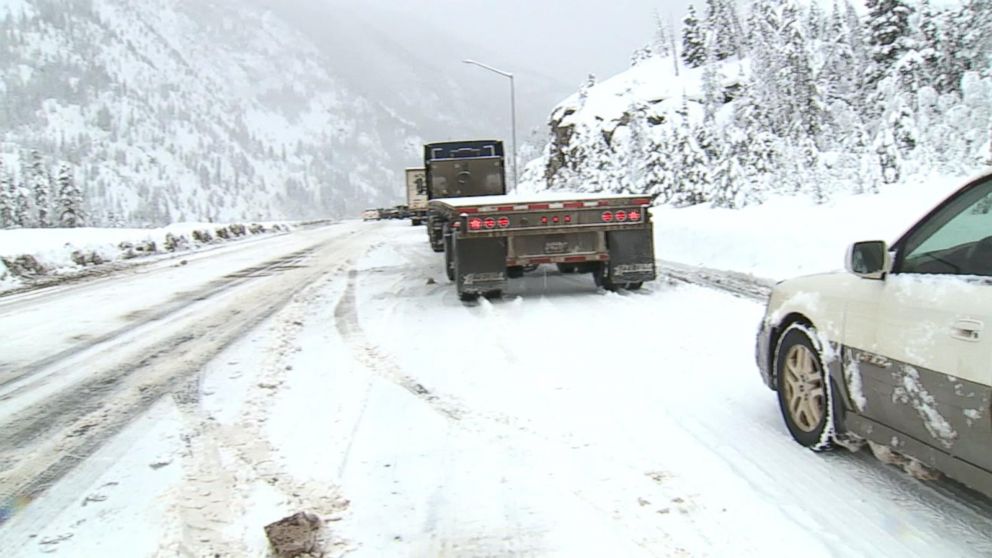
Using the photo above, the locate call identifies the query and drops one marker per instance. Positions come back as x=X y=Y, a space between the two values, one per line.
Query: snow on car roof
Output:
x=514 y=199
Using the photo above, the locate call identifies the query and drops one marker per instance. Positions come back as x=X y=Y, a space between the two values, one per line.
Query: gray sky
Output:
x=563 y=39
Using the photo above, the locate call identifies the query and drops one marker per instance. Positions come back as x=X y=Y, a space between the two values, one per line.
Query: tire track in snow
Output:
x=214 y=489
x=372 y=357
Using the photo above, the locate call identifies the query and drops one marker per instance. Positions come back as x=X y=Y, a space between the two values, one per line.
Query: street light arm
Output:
x=513 y=111
x=488 y=67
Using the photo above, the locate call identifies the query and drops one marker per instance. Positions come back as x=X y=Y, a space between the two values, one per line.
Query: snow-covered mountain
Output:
x=784 y=97
x=172 y=110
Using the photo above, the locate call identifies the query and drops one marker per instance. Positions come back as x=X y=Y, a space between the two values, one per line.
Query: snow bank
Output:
x=791 y=236
x=29 y=254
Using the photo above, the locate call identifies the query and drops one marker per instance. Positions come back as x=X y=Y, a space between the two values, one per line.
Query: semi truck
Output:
x=416 y=195
x=489 y=237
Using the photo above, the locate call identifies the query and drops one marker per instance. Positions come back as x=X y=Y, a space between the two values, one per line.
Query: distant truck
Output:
x=489 y=237
x=370 y=215
x=416 y=195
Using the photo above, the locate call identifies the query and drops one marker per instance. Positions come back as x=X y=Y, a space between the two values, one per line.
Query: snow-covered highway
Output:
x=177 y=409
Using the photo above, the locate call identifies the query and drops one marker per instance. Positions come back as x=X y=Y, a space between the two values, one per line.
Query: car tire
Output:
x=804 y=394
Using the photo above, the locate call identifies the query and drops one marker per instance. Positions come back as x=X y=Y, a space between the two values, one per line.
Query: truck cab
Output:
x=461 y=169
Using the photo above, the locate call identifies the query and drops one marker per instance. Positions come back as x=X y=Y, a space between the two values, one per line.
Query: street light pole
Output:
x=513 y=112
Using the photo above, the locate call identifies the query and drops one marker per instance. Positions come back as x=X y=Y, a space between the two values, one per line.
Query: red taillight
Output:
x=634 y=215
x=504 y=222
x=607 y=216
x=475 y=224
x=621 y=215
x=568 y=218
x=544 y=220
x=490 y=223
x=555 y=219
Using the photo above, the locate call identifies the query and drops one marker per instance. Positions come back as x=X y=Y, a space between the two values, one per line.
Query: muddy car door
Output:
x=929 y=375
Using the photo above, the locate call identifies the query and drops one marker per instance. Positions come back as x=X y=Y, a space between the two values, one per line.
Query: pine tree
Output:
x=22 y=207
x=693 y=42
x=722 y=41
x=888 y=32
x=6 y=199
x=730 y=182
x=804 y=100
x=41 y=184
x=661 y=45
x=931 y=47
x=70 y=199
x=588 y=84
x=657 y=166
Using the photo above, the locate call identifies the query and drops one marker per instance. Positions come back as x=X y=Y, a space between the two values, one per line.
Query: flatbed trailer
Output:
x=491 y=239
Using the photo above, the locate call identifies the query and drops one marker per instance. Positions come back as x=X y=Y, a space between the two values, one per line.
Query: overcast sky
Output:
x=564 y=39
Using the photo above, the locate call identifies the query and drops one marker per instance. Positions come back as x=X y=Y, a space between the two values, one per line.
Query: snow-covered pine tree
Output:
x=973 y=48
x=712 y=92
x=721 y=28
x=693 y=40
x=70 y=199
x=730 y=183
x=588 y=84
x=6 y=199
x=22 y=207
x=931 y=47
x=840 y=75
x=815 y=21
x=636 y=147
x=804 y=115
x=661 y=45
x=657 y=172
x=888 y=156
x=41 y=184
x=889 y=33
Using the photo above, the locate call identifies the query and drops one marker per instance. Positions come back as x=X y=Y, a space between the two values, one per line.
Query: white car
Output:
x=894 y=351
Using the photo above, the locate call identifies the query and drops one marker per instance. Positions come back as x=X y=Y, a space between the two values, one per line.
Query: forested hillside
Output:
x=736 y=104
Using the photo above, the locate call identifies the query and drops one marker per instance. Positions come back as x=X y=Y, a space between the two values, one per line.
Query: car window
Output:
x=957 y=239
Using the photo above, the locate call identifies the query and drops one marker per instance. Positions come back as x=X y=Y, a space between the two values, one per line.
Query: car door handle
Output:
x=967 y=329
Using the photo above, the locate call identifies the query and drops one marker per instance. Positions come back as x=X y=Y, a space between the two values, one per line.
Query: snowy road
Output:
x=335 y=370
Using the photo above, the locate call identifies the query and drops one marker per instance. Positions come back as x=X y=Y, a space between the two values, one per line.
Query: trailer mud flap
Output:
x=480 y=264
x=631 y=256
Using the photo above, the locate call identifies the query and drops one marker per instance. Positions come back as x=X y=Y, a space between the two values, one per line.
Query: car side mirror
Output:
x=870 y=259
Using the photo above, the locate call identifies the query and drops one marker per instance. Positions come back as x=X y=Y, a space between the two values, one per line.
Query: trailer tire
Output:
x=603 y=280
x=568 y=267
x=468 y=297
x=449 y=260
x=635 y=286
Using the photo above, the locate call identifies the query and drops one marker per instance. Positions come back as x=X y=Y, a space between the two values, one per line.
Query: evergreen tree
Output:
x=803 y=98
x=888 y=32
x=662 y=44
x=70 y=199
x=721 y=27
x=22 y=207
x=588 y=84
x=693 y=42
x=657 y=166
x=730 y=182
x=41 y=184
x=931 y=48
x=973 y=47
x=6 y=199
